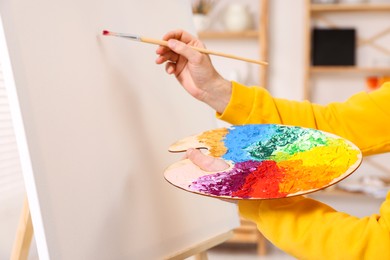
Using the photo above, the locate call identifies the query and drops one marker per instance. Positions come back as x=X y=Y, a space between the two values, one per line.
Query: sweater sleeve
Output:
x=303 y=227
x=308 y=229
x=364 y=119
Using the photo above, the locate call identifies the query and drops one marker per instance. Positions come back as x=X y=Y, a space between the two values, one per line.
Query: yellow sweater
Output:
x=302 y=227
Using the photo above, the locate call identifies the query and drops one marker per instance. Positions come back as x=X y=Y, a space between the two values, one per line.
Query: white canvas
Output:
x=94 y=117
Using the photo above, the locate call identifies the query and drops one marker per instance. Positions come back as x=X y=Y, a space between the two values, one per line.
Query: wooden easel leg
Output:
x=24 y=235
x=261 y=245
x=201 y=256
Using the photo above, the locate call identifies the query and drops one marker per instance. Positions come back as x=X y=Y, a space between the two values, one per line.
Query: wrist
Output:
x=219 y=94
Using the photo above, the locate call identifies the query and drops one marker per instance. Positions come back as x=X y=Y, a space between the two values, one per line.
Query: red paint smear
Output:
x=105 y=32
x=263 y=182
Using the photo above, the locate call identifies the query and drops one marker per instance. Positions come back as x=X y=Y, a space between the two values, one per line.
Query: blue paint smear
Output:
x=259 y=142
x=242 y=137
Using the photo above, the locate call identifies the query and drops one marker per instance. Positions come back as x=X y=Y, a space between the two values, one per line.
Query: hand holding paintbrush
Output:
x=194 y=70
x=185 y=57
x=165 y=43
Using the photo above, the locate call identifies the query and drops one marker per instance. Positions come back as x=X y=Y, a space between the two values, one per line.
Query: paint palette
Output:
x=267 y=161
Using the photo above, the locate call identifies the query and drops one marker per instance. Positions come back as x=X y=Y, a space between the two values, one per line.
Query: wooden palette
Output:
x=267 y=161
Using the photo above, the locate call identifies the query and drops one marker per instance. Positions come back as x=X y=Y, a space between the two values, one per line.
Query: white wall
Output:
x=287 y=43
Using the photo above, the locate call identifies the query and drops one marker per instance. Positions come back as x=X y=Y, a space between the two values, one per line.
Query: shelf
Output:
x=319 y=12
x=350 y=7
x=250 y=34
x=354 y=69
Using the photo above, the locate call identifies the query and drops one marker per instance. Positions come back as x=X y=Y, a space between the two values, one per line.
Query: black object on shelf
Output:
x=333 y=47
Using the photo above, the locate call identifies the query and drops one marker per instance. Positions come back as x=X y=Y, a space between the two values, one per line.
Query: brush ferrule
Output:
x=129 y=36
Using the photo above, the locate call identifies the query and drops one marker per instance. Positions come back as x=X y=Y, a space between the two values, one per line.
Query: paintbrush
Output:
x=165 y=43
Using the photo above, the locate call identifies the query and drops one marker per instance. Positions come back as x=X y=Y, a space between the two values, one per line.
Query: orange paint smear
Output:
x=214 y=140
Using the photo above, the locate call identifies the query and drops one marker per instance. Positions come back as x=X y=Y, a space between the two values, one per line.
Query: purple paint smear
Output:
x=225 y=183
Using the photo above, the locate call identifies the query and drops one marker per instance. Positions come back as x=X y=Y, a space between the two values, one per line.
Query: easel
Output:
x=25 y=233
x=200 y=250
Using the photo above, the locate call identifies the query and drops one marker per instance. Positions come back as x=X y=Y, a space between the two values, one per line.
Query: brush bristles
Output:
x=122 y=35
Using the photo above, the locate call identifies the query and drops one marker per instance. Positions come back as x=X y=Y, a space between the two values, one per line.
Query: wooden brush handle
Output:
x=154 y=41
x=230 y=56
x=206 y=51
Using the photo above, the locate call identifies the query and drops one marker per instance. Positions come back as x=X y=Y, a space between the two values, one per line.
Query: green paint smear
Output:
x=286 y=142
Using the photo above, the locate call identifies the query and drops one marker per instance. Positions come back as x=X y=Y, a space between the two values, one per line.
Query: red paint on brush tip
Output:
x=105 y=32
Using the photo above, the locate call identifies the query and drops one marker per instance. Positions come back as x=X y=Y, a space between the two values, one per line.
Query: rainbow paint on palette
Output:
x=274 y=161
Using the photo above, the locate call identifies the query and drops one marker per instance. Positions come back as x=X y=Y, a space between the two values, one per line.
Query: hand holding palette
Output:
x=267 y=161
